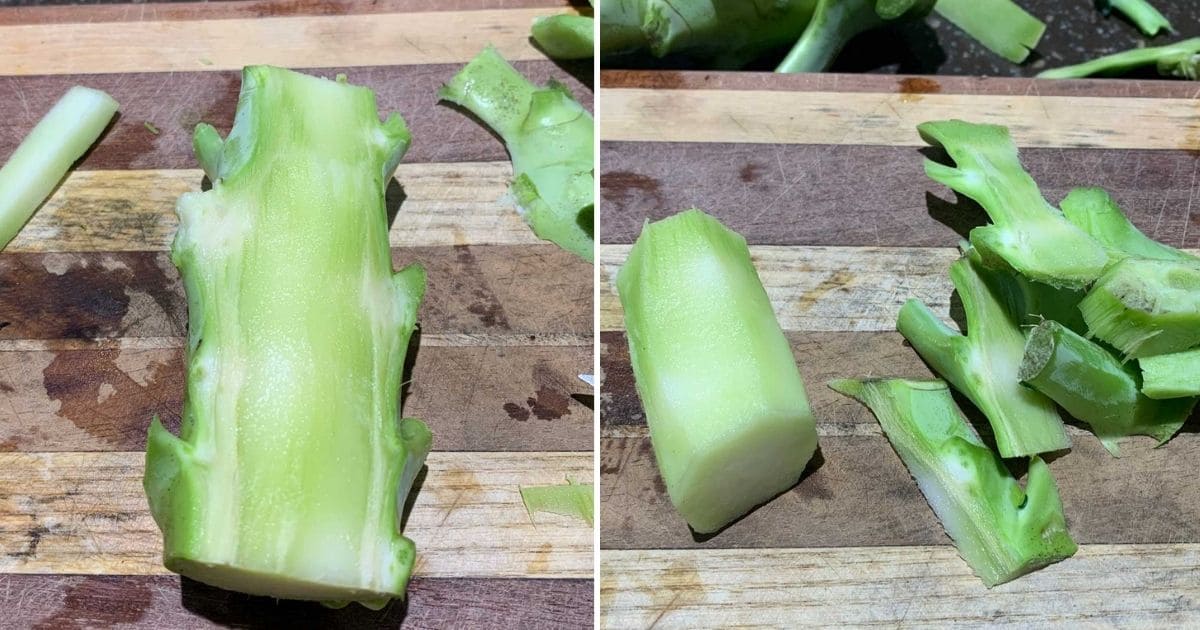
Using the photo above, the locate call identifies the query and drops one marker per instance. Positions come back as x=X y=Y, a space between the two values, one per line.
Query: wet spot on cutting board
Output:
x=549 y=404
x=625 y=187
x=486 y=305
x=750 y=173
x=516 y=412
x=912 y=88
x=100 y=602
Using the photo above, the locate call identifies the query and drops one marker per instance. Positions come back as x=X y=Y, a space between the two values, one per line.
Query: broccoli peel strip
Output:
x=836 y=22
x=1095 y=387
x=983 y=364
x=1180 y=60
x=1144 y=307
x=1094 y=211
x=1175 y=375
x=1143 y=14
x=43 y=158
x=1001 y=531
x=548 y=135
x=565 y=36
x=1027 y=233
x=729 y=419
x=1001 y=26
x=291 y=469
x=573 y=499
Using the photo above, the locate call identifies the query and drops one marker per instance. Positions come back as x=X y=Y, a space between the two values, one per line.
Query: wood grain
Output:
x=771 y=117
x=413 y=38
x=53 y=602
x=175 y=101
x=1102 y=586
x=86 y=513
x=132 y=210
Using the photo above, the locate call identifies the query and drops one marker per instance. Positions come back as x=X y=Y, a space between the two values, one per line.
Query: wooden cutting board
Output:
x=823 y=176
x=92 y=315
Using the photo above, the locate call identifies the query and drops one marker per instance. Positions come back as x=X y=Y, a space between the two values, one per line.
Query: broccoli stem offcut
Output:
x=836 y=22
x=565 y=36
x=1000 y=529
x=1180 y=60
x=291 y=466
x=1095 y=212
x=1002 y=26
x=1145 y=307
x=1174 y=375
x=1143 y=14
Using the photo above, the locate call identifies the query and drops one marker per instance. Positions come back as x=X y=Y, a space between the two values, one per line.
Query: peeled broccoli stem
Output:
x=290 y=468
x=836 y=22
x=983 y=364
x=566 y=36
x=1001 y=531
x=1174 y=375
x=1027 y=233
x=42 y=159
x=549 y=138
x=1145 y=307
x=1180 y=60
x=1140 y=12
x=1095 y=387
x=1095 y=212
x=1001 y=26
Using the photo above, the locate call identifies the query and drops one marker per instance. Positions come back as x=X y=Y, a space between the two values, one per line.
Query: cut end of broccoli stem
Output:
x=1140 y=12
x=1001 y=531
x=565 y=36
x=1027 y=233
x=1174 y=375
x=1146 y=307
x=1001 y=26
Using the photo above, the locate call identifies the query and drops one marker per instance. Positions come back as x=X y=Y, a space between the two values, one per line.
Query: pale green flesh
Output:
x=1148 y=19
x=284 y=480
x=1095 y=212
x=1171 y=375
x=1002 y=531
x=59 y=139
x=565 y=36
x=836 y=22
x=728 y=32
x=728 y=415
x=1146 y=307
x=1002 y=26
x=572 y=499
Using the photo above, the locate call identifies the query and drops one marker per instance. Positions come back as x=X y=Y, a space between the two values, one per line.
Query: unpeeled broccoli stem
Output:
x=836 y=22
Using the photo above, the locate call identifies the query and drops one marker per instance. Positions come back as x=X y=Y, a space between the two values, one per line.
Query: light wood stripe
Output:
x=825 y=289
x=760 y=116
x=295 y=42
x=898 y=587
x=86 y=513
x=118 y=210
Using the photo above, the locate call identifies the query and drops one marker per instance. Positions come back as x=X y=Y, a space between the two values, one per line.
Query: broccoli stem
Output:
x=1001 y=26
x=836 y=22
x=1095 y=212
x=43 y=158
x=621 y=26
x=1095 y=387
x=565 y=36
x=1171 y=375
x=1001 y=531
x=1140 y=12
x=1181 y=60
x=1145 y=307
x=983 y=364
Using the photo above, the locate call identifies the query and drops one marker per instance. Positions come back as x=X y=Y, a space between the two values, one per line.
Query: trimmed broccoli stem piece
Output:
x=549 y=138
x=573 y=499
x=1095 y=212
x=836 y=22
x=42 y=159
x=621 y=26
x=565 y=36
x=1140 y=12
x=1174 y=375
x=1145 y=307
x=291 y=468
x=983 y=364
x=1002 y=531
x=1180 y=60
x=1027 y=233
x=1095 y=387
x=1001 y=26
x=728 y=415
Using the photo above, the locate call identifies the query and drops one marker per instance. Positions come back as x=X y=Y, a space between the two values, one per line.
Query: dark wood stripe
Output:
x=884 y=83
x=175 y=11
x=474 y=398
x=509 y=289
x=793 y=194
x=175 y=102
x=861 y=494
x=79 y=601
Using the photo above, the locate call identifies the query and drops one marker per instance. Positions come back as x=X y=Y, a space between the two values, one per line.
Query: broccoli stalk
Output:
x=1001 y=26
x=291 y=467
x=1145 y=307
x=1002 y=531
x=728 y=416
x=565 y=36
x=1181 y=60
x=59 y=139
x=1027 y=233
x=1140 y=12
x=1171 y=375
x=1095 y=212
x=983 y=364
x=1095 y=387
x=549 y=138
x=836 y=22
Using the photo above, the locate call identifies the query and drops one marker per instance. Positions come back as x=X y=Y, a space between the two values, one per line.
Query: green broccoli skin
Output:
x=1140 y=12
x=983 y=364
x=1027 y=233
x=1002 y=26
x=1002 y=531
x=1097 y=388
x=1145 y=307
x=1180 y=60
x=291 y=467
x=549 y=138
x=565 y=36
x=836 y=22
x=1174 y=375
x=1095 y=212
